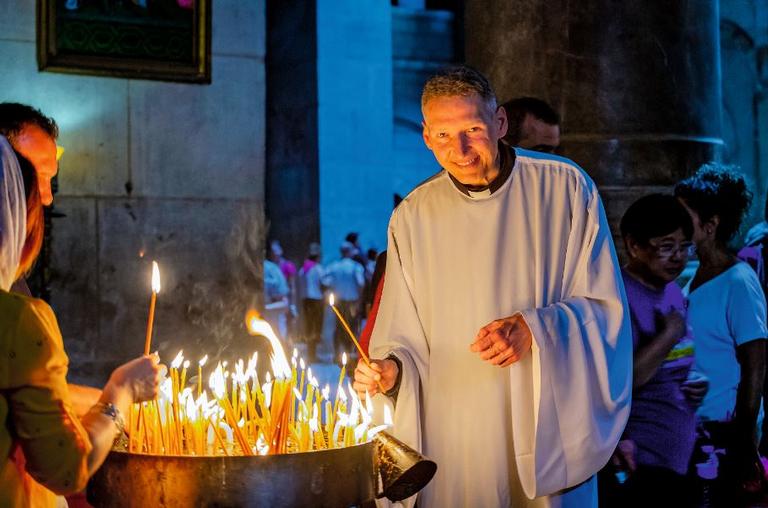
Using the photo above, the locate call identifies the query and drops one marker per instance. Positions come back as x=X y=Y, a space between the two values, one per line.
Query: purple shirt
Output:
x=661 y=422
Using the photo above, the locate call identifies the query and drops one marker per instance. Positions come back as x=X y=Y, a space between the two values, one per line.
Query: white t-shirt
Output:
x=724 y=312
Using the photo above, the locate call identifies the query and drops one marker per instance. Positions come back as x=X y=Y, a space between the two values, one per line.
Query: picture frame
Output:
x=166 y=40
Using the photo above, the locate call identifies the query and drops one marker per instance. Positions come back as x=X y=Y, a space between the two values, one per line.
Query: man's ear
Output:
x=632 y=246
x=425 y=134
x=710 y=226
x=501 y=121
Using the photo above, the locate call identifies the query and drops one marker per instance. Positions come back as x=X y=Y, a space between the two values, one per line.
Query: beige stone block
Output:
x=201 y=140
x=91 y=113
x=17 y=20
x=208 y=275
x=74 y=275
x=239 y=28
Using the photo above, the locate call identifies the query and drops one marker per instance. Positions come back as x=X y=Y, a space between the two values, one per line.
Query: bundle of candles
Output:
x=240 y=415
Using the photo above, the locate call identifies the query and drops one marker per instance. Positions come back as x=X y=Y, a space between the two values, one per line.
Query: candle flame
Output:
x=155 y=277
x=258 y=326
x=387 y=416
x=302 y=364
x=344 y=358
x=186 y=364
x=203 y=360
x=368 y=404
x=331 y=299
x=176 y=363
x=191 y=409
x=217 y=382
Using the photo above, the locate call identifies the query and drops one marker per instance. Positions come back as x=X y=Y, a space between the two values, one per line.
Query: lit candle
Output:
x=346 y=327
x=200 y=375
x=152 y=301
x=183 y=382
x=303 y=375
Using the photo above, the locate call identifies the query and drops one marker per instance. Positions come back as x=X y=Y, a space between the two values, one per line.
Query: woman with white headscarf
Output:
x=45 y=449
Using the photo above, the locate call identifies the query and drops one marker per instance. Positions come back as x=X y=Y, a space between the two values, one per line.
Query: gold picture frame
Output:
x=166 y=40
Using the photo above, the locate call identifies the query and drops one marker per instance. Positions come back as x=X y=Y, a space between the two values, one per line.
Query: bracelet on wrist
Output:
x=110 y=410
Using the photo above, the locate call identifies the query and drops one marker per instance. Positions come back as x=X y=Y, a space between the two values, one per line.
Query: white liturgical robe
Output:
x=534 y=433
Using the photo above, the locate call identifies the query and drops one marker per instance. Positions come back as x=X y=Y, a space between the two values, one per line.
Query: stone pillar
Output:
x=637 y=83
x=354 y=111
x=292 y=181
x=329 y=116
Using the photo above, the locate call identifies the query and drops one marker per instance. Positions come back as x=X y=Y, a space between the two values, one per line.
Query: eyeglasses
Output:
x=667 y=250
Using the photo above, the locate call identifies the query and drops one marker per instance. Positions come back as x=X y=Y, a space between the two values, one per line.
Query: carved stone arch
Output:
x=733 y=36
x=740 y=83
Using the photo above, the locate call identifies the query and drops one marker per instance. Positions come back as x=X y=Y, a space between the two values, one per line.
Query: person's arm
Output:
x=746 y=317
x=83 y=398
x=579 y=369
x=751 y=358
x=132 y=382
x=648 y=357
x=60 y=451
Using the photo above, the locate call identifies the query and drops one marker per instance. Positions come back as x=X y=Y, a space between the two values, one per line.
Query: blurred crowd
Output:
x=295 y=300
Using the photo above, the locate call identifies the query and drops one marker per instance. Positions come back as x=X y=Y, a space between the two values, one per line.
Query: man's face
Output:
x=539 y=135
x=39 y=149
x=463 y=134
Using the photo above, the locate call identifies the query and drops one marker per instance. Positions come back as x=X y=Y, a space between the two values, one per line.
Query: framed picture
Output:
x=168 y=40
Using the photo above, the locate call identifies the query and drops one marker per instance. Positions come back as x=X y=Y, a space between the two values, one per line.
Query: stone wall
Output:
x=744 y=62
x=637 y=84
x=422 y=43
x=152 y=170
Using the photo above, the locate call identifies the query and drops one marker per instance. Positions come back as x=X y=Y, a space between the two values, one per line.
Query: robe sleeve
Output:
x=55 y=444
x=398 y=331
x=577 y=381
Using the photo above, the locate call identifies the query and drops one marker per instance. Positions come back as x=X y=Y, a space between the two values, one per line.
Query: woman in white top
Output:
x=727 y=312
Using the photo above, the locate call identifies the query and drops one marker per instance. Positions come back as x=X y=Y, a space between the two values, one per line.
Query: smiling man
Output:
x=502 y=332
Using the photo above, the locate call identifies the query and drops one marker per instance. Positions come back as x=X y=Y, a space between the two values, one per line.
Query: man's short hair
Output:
x=14 y=117
x=461 y=81
x=653 y=216
x=518 y=108
x=346 y=248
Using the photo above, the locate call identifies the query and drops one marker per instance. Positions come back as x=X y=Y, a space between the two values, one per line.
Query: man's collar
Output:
x=507 y=156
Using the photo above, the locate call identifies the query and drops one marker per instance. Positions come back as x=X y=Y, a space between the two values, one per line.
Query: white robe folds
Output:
x=539 y=245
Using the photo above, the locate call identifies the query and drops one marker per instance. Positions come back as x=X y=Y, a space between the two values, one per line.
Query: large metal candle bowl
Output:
x=283 y=443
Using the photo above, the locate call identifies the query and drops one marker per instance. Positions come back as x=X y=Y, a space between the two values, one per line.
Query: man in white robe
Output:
x=503 y=334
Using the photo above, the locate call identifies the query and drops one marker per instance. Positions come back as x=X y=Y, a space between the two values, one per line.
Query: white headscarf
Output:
x=13 y=215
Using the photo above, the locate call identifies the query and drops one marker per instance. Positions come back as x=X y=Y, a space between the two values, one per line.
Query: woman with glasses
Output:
x=657 y=444
x=727 y=312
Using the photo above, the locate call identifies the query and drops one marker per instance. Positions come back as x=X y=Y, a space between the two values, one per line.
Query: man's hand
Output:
x=624 y=456
x=695 y=388
x=380 y=370
x=504 y=341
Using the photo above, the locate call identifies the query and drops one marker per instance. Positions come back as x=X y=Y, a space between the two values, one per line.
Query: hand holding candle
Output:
x=378 y=375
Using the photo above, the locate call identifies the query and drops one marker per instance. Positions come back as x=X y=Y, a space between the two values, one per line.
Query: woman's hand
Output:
x=138 y=379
